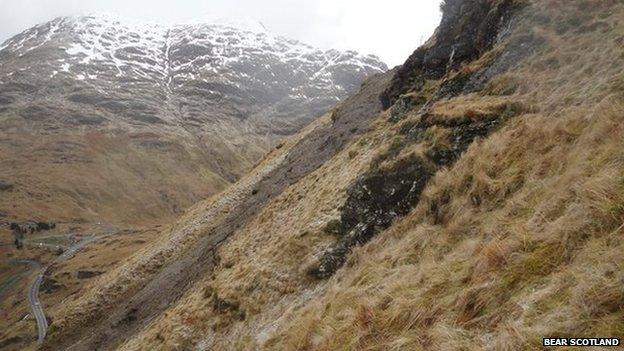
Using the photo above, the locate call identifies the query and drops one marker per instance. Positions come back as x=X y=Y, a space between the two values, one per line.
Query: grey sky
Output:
x=391 y=29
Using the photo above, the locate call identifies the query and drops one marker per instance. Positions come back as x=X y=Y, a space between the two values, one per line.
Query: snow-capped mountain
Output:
x=166 y=114
x=202 y=73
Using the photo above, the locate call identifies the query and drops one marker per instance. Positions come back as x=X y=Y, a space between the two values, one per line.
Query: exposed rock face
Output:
x=4 y=186
x=50 y=285
x=468 y=29
x=87 y=274
x=384 y=194
x=31 y=227
x=374 y=201
x=153 y=114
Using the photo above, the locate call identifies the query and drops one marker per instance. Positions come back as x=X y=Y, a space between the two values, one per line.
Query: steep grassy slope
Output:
x=483 y=209
x=156 y=277
x=136 y=292
x=77 y=177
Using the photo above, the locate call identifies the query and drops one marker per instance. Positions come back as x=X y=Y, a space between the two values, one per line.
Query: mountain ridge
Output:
x=201 y=101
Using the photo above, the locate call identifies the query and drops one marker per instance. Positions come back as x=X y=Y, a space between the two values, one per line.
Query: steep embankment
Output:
x=482 y=209
x=142 y=289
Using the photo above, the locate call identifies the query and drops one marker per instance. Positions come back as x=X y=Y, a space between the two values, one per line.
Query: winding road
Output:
x=33 y=292
x=35 y=305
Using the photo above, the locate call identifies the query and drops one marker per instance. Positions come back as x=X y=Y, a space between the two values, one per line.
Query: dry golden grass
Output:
x=118 y=283
x=524 y=240
x=105 y=177
x=283 y=239
x=538 y=256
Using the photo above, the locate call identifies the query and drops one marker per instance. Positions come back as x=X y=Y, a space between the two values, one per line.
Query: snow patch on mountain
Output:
x=198 y=71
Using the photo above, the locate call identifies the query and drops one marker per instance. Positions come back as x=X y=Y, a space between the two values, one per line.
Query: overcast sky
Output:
x=391 y=29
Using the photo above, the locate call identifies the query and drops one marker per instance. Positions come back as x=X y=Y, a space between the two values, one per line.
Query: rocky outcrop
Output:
x=31 y=227
x=5 y=186
x=468 y=29
x=383 y=194
x=87 y=274
x=373 y=202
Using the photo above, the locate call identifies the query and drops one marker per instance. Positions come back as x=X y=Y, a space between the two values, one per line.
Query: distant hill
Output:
x=109 y=120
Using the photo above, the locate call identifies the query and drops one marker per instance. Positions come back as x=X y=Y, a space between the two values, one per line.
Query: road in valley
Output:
x=33 y=291
x=35 y=305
